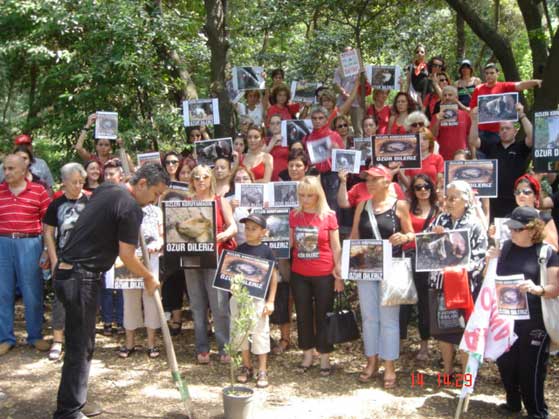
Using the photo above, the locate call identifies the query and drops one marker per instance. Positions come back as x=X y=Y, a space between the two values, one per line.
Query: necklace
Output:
x=306 y=221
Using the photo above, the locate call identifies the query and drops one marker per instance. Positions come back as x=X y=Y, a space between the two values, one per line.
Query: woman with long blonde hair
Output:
x=315 y=270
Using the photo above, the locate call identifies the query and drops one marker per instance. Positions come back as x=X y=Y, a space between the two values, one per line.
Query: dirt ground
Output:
x=142 y=388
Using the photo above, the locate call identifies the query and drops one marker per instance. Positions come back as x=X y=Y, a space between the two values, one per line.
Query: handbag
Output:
x=550 y=306
x=341 y=325
x=443 y=321
x=400 y=287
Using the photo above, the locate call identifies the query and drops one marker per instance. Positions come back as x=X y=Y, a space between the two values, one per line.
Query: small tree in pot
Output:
x=237 y=399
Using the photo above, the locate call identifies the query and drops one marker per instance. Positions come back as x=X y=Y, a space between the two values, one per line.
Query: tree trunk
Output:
x=216 y=31
x=176 y=66
x=499 y=44
x=549 y=93
x=31 y=108
x=460 y=38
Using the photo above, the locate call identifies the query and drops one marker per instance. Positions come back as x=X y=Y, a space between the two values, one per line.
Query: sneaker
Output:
x=262 y=379
x=107 y=329
x=5 y=348
x=55 y=351
x=120 y=330
x=41 y=345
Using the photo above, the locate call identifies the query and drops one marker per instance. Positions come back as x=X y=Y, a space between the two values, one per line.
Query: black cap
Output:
x=522 y=216
x=255 y=218
x=466 y=63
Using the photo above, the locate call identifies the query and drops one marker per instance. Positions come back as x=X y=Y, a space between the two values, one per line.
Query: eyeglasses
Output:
x=443 y=80
x=342 y=126
x=526 y=192
x=201 y=177
x=517 y=230
x=437 y=65
x=171 y=162
x=417 y=124
x=423 y=187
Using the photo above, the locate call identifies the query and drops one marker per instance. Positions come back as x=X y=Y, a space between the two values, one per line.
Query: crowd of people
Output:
x=42 y=226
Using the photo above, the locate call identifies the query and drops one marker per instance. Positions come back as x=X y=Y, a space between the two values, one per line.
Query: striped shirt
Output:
x=23 y=213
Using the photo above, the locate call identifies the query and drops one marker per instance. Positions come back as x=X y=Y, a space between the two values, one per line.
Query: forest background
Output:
x=61 y=60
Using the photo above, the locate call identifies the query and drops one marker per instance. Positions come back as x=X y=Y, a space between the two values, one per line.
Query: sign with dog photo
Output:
x=402 y=149
x=546 y=141
x=190 y=231
x=366 y=259
x=250 y=195
x=256 y=272
x=384 y=77
x=277 y=224
x=480 y=174
x=208 y=151
x=306 y=242
x=200 y=112
x=365 y=146
x=434 y=252
x=511 y=302
x=106 y=125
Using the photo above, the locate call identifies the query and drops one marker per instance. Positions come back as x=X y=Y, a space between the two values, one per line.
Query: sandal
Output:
x=55 y=351
x=365 y=377
x=203 y=358
x=390 y=383
x=262 y=379
x=153 y=352
x=326 y=372
x=281 y=347
x=245 y=374
x=125 y=352
x=107 y=329
x=175 y=328
x=225 y=359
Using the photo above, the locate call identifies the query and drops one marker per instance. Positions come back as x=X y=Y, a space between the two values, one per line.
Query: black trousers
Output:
x=314 y=297
x=173 y=290
x=330 y=183
x=77 y=289
x=421 y=280
x=523 y=369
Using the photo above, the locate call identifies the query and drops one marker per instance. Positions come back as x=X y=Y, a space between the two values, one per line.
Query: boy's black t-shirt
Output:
x=261 y=251
x=111 y=216
x=63 y=213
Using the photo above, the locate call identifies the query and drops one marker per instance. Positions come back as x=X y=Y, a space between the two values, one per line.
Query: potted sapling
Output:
x=237 y=399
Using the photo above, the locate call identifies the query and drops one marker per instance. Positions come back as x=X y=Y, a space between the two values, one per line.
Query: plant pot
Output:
x=238 y=402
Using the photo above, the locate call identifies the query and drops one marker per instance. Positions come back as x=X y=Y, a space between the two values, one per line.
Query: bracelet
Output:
x=543 y=291
x=85 y=129
x=522 y=117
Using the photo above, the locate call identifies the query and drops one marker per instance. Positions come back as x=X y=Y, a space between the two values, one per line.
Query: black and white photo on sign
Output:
x=434 y=252
x=256 y=272
x=404 y=149
x=351 y=62
x=497 y=108
x=208 y=151
x=449 y=115
x=365 y=146
x=546 y=141
x=145 y=158
x=319 y=150
x=502 y=231
x=366 y=259
x=482 y=175
x=248 y=78
x=306 y=242
x=293 y=130
x=283 y=194
x=348 y=160
x=200 y=112
x=304 y=91
x=250 y=195
x=234 y=95
x=189 y=226
x=177 y=191
x=511 y=302
x=277 y=224
x=124 y=279
x=106 y=125
x=384 y=77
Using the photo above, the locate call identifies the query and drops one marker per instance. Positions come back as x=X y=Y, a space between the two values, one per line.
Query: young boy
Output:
x=255 y=230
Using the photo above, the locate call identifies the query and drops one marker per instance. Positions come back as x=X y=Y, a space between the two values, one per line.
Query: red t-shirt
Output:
x=454 y=137
x=432 y=165
x=23 y=213
x=483 y=89
x=285 y=112
x=335 y=138
x=397 y=129
x=280 y=155
x=430 y=101
x=359 y=193
x=381 y=116
x=312 y=254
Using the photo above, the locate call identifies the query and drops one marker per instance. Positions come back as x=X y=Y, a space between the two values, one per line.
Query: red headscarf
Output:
x=534 y=184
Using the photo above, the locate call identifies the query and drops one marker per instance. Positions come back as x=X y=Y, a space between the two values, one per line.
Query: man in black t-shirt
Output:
x=108 y=227
x=512 y=155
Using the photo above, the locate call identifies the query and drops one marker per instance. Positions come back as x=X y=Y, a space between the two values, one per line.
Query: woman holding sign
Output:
x=387 y=218
x=315 y=270
x=523 y=368
x=199 y=281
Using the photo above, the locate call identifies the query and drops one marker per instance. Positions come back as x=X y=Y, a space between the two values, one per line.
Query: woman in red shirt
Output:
x=275 y=148
x=280 y=104
x=402 y=106
x=432 y=164
x=315 y=270
x=379 y=110
x=260 y=163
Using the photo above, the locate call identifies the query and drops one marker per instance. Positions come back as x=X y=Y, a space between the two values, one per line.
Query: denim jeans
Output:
x=112 y=304
x=77 y=289
x=381 y=325
x=19 y=265
x=202 y=295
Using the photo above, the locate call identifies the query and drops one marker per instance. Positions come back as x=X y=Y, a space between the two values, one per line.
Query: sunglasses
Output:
x=423 y=187
x=443 y=80
x=526 y=192
x=342 y=126
x=171 y=162
x=201 y=177
x=417 y=124
x=517 y=230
